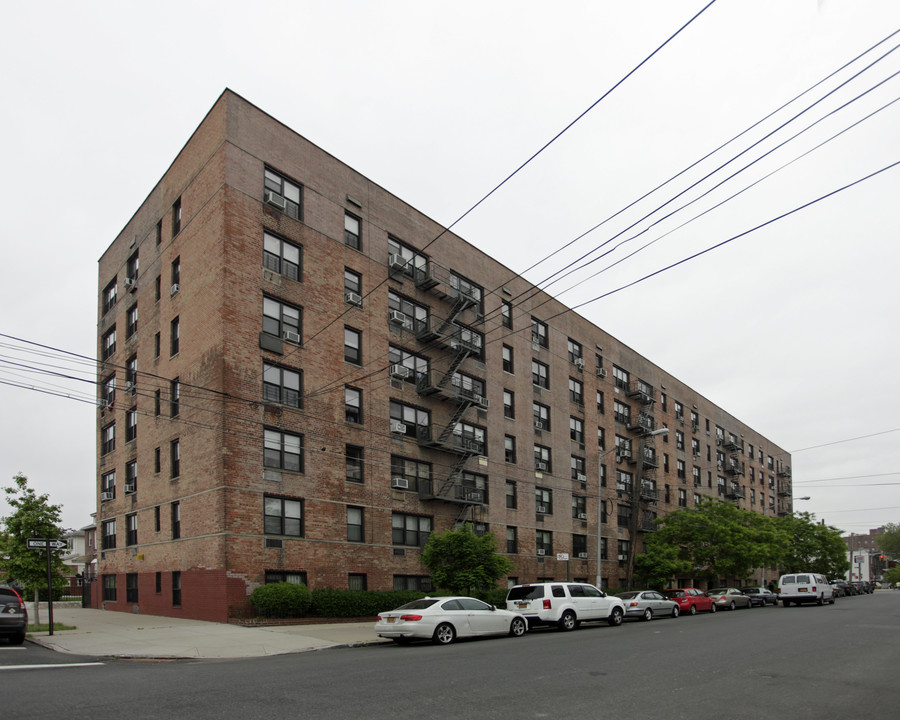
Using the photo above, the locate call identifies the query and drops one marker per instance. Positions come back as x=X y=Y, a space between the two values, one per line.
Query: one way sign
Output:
x=42 y=543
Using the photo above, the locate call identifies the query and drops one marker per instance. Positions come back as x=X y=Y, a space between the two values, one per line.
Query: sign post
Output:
x=47 y=544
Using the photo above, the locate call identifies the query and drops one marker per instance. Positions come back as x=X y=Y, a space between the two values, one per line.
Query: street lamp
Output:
x=636 y=504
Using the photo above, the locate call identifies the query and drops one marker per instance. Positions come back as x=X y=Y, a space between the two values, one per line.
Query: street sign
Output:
x=41 y=544
x=562 y=556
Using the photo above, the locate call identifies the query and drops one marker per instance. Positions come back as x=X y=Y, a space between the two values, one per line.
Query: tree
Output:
x=889 y=543
x=892 y=576
x=33 y=517
x=463 y=562
x=812 y=546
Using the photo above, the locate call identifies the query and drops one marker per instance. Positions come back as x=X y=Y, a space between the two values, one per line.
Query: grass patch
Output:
x=45 y=627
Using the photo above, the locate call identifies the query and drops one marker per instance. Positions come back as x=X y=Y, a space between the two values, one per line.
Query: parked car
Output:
x=691 y=600
x=729 y=598
x=805 y=588
x=862 y=587
x=647 y=604
x=564 y=604
x=13 y=616
x=841 y=587
x=444 y=619
x=760 y=596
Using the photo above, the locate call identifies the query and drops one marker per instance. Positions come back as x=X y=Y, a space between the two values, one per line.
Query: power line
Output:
x=838 y=442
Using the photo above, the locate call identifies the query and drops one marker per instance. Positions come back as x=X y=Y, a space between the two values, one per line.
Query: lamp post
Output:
x=636 y=505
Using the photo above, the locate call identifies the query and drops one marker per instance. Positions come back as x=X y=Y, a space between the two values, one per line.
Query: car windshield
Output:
x=526 y=592
x=628 y=595
x=674 y=593
x=717 y=591
x=418 y=604
x=752 y=590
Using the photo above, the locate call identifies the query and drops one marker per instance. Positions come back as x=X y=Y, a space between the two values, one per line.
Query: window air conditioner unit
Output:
x=601 y=372
x=579 y=363
x=480 y=400
x=129 y=385
x=581 y=477
x=275 y=543
x=583 y=556
x=291 y=336
x=131 y=283
x=582 y=516
x=397 y=318
x=473 y=495
x=274 y=199
x=622 y=558
x=398 y=427
x=400 y=483
x=540 y=465
x=400 y=371
x=396 y=262
x=541 y=552
x=538 y=425
x=174 y=289
x=130 y=487
x=104 y=496
x=625 y=453
x=541 y=509
x=353 y=298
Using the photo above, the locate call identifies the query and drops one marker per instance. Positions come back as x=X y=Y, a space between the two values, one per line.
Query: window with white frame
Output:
x=282 y=256
x=577 y=463
x=621 y=378
x=108 y=343
x=131 y=321
x=108 y=438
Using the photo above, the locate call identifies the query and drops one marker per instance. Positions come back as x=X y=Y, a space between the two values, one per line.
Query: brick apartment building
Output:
x=296 y=384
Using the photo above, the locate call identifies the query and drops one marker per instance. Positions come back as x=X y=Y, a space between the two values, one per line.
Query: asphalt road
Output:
x=799 y=662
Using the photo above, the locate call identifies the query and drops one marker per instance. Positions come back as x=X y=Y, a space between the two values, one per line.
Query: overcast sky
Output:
x=792 y=328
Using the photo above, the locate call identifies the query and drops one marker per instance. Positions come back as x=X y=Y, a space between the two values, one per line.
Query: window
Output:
x=281 y=385
x=174 y=397
x=175 y=458
x=467 y=386
x=131 y=529
x=542 y=459
x=512 y=540
x=697 y=480
x=507 y=359
x=176 y=520
x=603 y=477
x=157 y=344
x=176 y=217
x=131 y=271
x=411 y=530
x=352 y=404
x=601 y=438
x=408 y=420
x=576 y=430
x=176 y=275
x=108 y=438
x=544 y=542
x=539 y=333
x=466 y=288
x=540 y=374
x=157 y=288
x=352 y=282
x=406 y=313
x=157 y=518
x=282 y=193
x=109 y=588
x=282 y=320
x=512 y=499
x=131 y=588
x=474 y=487
x=579 y=546
x=354 y=467
x=577 y=465
x=543 y=499
x=576 y=391
x=157 y=460
x=108 y=483
x=416 y=474
x=176 y=588
x=541 y=416
x=174 y=337
x=509 y=447
x=679 y=440
x=131 y=373
x=413 y=262
x=624 y=550
x=680 y=469
x=357 y=581
x=276 y=576
x=108 y=391
x=352 y=346
x=352 y=232
x=109 y=297
x=506 y=314
x=159 y=233
x=621 y=379
x=355 y=528
x=108 y=541
x=509 y=404
x=679 y=411
x=416 y=364
x=682 y=497
x=283 y=516
x=579 y=507
x=131 y=321
x=575 y=351
x=600 y=408
x=108 y=343
x=282 y=450
x=282 y=256
x=621 y=412
x=131 y=476
x=419 y=583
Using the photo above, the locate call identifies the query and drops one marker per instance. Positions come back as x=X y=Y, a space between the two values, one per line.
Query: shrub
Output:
x=328 y=602
x=280 y=600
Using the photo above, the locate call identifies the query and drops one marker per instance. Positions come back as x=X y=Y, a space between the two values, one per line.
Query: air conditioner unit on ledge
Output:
x=400 y=483
x=400 y=371
x=174 y=289
x=622 y=558
x=581 y=477
x=398 y=427
x=541 y=509
x=540 y=466
x=579 y=363
x=601 y=372
x=582 y=516
x=397 y=318
x=538 y=425
x=541 y=552
x=291 y=336
x=274 y=199
x=130 y=488
x=131 y=283
x=396 y=262
x=583 y=556
x=104 y=496
x=353 y=298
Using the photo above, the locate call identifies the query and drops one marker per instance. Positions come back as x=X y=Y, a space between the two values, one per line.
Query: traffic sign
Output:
x=42 y=543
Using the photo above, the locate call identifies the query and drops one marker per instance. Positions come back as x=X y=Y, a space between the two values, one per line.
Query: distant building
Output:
x=864 y=555
x=302 y=376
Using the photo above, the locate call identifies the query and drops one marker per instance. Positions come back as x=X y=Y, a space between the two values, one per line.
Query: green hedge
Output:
x=327 y=602
x=281 y=600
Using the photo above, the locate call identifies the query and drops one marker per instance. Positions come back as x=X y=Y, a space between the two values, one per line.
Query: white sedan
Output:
x=444 y=619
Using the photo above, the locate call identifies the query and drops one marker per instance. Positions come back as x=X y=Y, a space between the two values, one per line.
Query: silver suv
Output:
x=564 y=604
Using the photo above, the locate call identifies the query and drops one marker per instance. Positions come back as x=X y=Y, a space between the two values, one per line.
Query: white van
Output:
x=805 y=587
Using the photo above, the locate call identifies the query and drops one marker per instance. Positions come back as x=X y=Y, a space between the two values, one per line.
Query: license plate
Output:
x=390 y=619
x=522 y=606
x=801 y=589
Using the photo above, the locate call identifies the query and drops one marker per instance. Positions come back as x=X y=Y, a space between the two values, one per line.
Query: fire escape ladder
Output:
x=453 y=478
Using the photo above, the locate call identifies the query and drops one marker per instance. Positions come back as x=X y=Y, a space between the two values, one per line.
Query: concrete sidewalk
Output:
x=117 y=634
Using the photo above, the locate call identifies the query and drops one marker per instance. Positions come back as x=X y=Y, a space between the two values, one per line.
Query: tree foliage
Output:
x=812 y=546
x=889 y=543
x=892 y=576
x=33 y=516
x=462 y=562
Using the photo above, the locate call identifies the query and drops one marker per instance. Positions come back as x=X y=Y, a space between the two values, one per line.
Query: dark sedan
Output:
x=760 y=596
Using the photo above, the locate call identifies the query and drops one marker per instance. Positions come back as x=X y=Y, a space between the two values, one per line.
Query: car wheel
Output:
x=820 y=601
x=17 y=639
x=444 y=634
x=648 y=614
x=731 y=607
x=676 y=611
x=615 y=617
x=693 y=610
x=517 y=627
x=713 y=608
x=567 y=621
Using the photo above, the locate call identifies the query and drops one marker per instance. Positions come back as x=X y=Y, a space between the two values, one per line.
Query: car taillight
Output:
x=632 y=604
x=813 y=588
x=410 y=618
x=547 y=605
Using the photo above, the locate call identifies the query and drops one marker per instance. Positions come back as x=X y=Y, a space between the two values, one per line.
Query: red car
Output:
x=691 y=600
